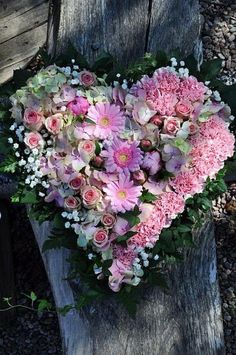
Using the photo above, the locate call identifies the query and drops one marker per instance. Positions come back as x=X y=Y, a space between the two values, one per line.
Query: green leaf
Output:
x=29 y=197
x=103 y=64
x=64 y=310
x=210 y=69
x=33 y=296
x=8 y=165
x=131 y=217
x=43 y=305
x=98 y=148
x=184 y=228
x=147 y=197
x=125 y=237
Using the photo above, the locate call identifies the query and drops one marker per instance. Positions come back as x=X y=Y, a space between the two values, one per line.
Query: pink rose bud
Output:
x=108 y=220
x=54 y=123
x=87 y=78
x=171 y=125
x=146 y=145
x=139 y=177
x=79 y=106
x=193 y=128
x=97 y=162
x=33 y=120
x=183 y=108
x=72 y=203
x=77 y=182
x=34 y=140
x=157 y=120
x=100 y=238
x=91 y=196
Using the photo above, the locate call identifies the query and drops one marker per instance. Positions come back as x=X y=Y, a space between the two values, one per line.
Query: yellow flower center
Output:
x=122 y=195
x=123 y=157
x=104 y=121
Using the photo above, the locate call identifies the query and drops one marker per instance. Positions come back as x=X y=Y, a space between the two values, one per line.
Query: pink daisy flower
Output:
x=108 y=118
x=122 y=194
x=122 y=156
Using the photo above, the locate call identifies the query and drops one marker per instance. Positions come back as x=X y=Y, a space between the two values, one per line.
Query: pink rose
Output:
x=193 y=128
x=100 y=238
x=86 y=149
x=87 y=78
x=171 y=125
x=71 y=203
x=54 y=123
x=33 y=120
x=108 y=220
x=139 y=176
x=33 y=140
x=152 y=162
x=77 y=182
x=91 y=196
x=79 y=106
x=183 y=108
x=157 y=120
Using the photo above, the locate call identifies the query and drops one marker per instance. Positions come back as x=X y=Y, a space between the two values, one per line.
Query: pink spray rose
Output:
x=33 y=140
x=54 y=123
x=77 y=182
x=71 y=203
x=87 y=78
x=157 y=120
x=183 y=108
x=139 y=176
x=91 y=196
x=100 y=238
x=33 y=120
x=171 y=125
x=108 y=220
x=79 y=106
x=152 y=162
x=86 y=149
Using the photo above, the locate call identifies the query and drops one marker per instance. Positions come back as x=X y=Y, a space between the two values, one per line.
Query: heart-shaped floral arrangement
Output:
x=116 y=163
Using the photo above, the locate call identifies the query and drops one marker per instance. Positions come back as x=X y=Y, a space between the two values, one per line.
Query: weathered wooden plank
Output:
x=17 y=52
x=7 y=286
x=173 y=25
x=14 y=26
x=118 y=27
x=186 y=321
x=11 y=8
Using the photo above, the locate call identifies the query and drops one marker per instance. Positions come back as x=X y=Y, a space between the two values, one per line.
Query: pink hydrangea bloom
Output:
x=122 y=156
x=122 y=194
x=108 y=118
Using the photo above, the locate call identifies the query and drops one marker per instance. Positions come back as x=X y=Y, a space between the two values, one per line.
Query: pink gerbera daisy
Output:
x=108 y=118
x=122 y=194
x=122 y=156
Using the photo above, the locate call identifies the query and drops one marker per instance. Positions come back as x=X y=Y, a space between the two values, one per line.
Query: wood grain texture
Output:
x=186 y=321
x=126 y=29
x=23 y=29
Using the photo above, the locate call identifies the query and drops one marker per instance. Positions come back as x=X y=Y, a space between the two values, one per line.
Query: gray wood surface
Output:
x=23 y=28
x=187 y=321
x=126 y=28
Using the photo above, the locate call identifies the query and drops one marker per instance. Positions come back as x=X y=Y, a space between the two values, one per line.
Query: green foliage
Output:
x=131 y=217
x=9 y=165
x=147 y=197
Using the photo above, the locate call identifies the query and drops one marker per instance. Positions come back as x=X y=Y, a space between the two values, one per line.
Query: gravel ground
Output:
x=39 y=335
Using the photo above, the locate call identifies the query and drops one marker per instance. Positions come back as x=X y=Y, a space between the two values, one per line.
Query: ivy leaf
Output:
x=147 y=197
x=43 y=305
x=8 y=165
x=29 y=197
x=33 y=296
x=105 y=266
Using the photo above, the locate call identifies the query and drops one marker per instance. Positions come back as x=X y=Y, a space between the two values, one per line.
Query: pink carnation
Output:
x=187 y=184
x=191 y=89
x=79 y=106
